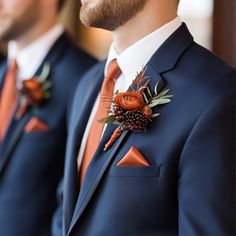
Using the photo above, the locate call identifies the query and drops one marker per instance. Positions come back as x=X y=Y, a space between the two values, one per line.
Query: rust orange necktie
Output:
x=96 y=129
x=8 y=98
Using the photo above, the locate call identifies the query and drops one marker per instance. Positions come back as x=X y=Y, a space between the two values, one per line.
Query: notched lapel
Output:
x=96 y=170
x=77 y=125
x=3 y=70
x=166 y=57
x=11 y=141
x=81 y=113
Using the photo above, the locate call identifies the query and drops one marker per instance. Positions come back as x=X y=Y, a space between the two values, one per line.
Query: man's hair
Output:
x=60 y=4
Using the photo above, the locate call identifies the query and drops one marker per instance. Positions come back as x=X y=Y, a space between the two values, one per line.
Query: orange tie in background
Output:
x=96 y=129
x=8 y=98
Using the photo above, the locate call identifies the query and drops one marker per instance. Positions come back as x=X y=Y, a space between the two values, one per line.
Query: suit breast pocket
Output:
x=135 y=171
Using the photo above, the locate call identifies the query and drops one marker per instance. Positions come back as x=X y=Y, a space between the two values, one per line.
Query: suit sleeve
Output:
x=206 y=189
x=58 y=214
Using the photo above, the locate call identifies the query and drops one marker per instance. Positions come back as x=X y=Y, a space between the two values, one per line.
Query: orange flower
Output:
x=147 y=112
x=130 y=101
x=33 y=89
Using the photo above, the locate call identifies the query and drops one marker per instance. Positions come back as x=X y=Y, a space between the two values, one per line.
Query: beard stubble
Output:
x=110 y=14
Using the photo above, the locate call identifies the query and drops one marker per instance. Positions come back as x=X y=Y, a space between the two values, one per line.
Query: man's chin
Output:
x=4 y=35
x=5 y=30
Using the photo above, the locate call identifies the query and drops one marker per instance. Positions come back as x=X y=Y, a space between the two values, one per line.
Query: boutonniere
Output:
x=34 y=92
x=133 y=110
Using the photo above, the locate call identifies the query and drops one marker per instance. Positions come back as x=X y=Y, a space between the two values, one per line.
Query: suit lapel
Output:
x=12 y=142
x=56 y=53
x=3 y=70
x=79 y=117
x=162 y=61
x=16 y=127
x=95 y=172
x=167 y=56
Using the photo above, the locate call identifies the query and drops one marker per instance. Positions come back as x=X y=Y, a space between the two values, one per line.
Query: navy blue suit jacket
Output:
x=189 y=187
x=2 y=57
x=31 y=164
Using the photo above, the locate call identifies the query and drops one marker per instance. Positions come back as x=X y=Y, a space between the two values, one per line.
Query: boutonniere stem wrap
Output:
x=34 y=92
x=133 y=110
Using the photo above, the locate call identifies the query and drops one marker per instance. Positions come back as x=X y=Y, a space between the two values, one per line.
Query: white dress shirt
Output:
x=31 y=57
x=131 y=61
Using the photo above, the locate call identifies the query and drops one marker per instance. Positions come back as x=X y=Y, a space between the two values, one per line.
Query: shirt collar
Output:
x=134 y=58
x=29 y=58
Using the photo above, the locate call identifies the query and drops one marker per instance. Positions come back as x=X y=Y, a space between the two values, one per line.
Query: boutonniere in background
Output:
x=133 y=110
x=34 y=92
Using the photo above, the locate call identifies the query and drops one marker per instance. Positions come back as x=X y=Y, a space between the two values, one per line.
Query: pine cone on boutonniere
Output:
x=133 y=110
x=35 y=92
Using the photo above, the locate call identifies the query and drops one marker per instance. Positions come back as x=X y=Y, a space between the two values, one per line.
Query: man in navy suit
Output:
x=47 y=67
x=178 y=177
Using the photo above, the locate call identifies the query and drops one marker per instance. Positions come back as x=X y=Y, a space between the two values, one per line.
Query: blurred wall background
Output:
x=212 y=23
x=224 y=29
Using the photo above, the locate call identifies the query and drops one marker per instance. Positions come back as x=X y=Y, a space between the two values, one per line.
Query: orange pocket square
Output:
x=36 y=125
x=133 y=158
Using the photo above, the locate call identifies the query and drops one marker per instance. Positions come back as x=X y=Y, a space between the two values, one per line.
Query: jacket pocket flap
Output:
x=135 y=171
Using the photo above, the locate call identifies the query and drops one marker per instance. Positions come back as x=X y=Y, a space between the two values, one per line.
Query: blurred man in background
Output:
x=36 y=82
x=176 y=176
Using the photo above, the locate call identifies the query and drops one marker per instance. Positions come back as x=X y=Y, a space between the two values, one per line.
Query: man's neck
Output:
x=33 y=34
x=143 y=24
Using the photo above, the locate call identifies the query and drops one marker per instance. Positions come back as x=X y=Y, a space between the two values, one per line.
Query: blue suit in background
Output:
x=31 y=164
x=189 y=187
x=2 y=57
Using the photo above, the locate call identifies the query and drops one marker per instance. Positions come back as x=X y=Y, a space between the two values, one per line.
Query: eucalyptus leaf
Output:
x=47 y=85
x=163 y=93
x=156 y=87
x=167 y=96
x=155 y=115
x=45 y=72
x=108 y=120
x=145 y=98
x=149 y=91
x=163 y=100
x=161 y=97
x=159 y=101
x=142 y=88
x=116 y=123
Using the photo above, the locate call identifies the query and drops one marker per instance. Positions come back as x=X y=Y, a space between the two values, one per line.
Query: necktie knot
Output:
x=113 y=70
